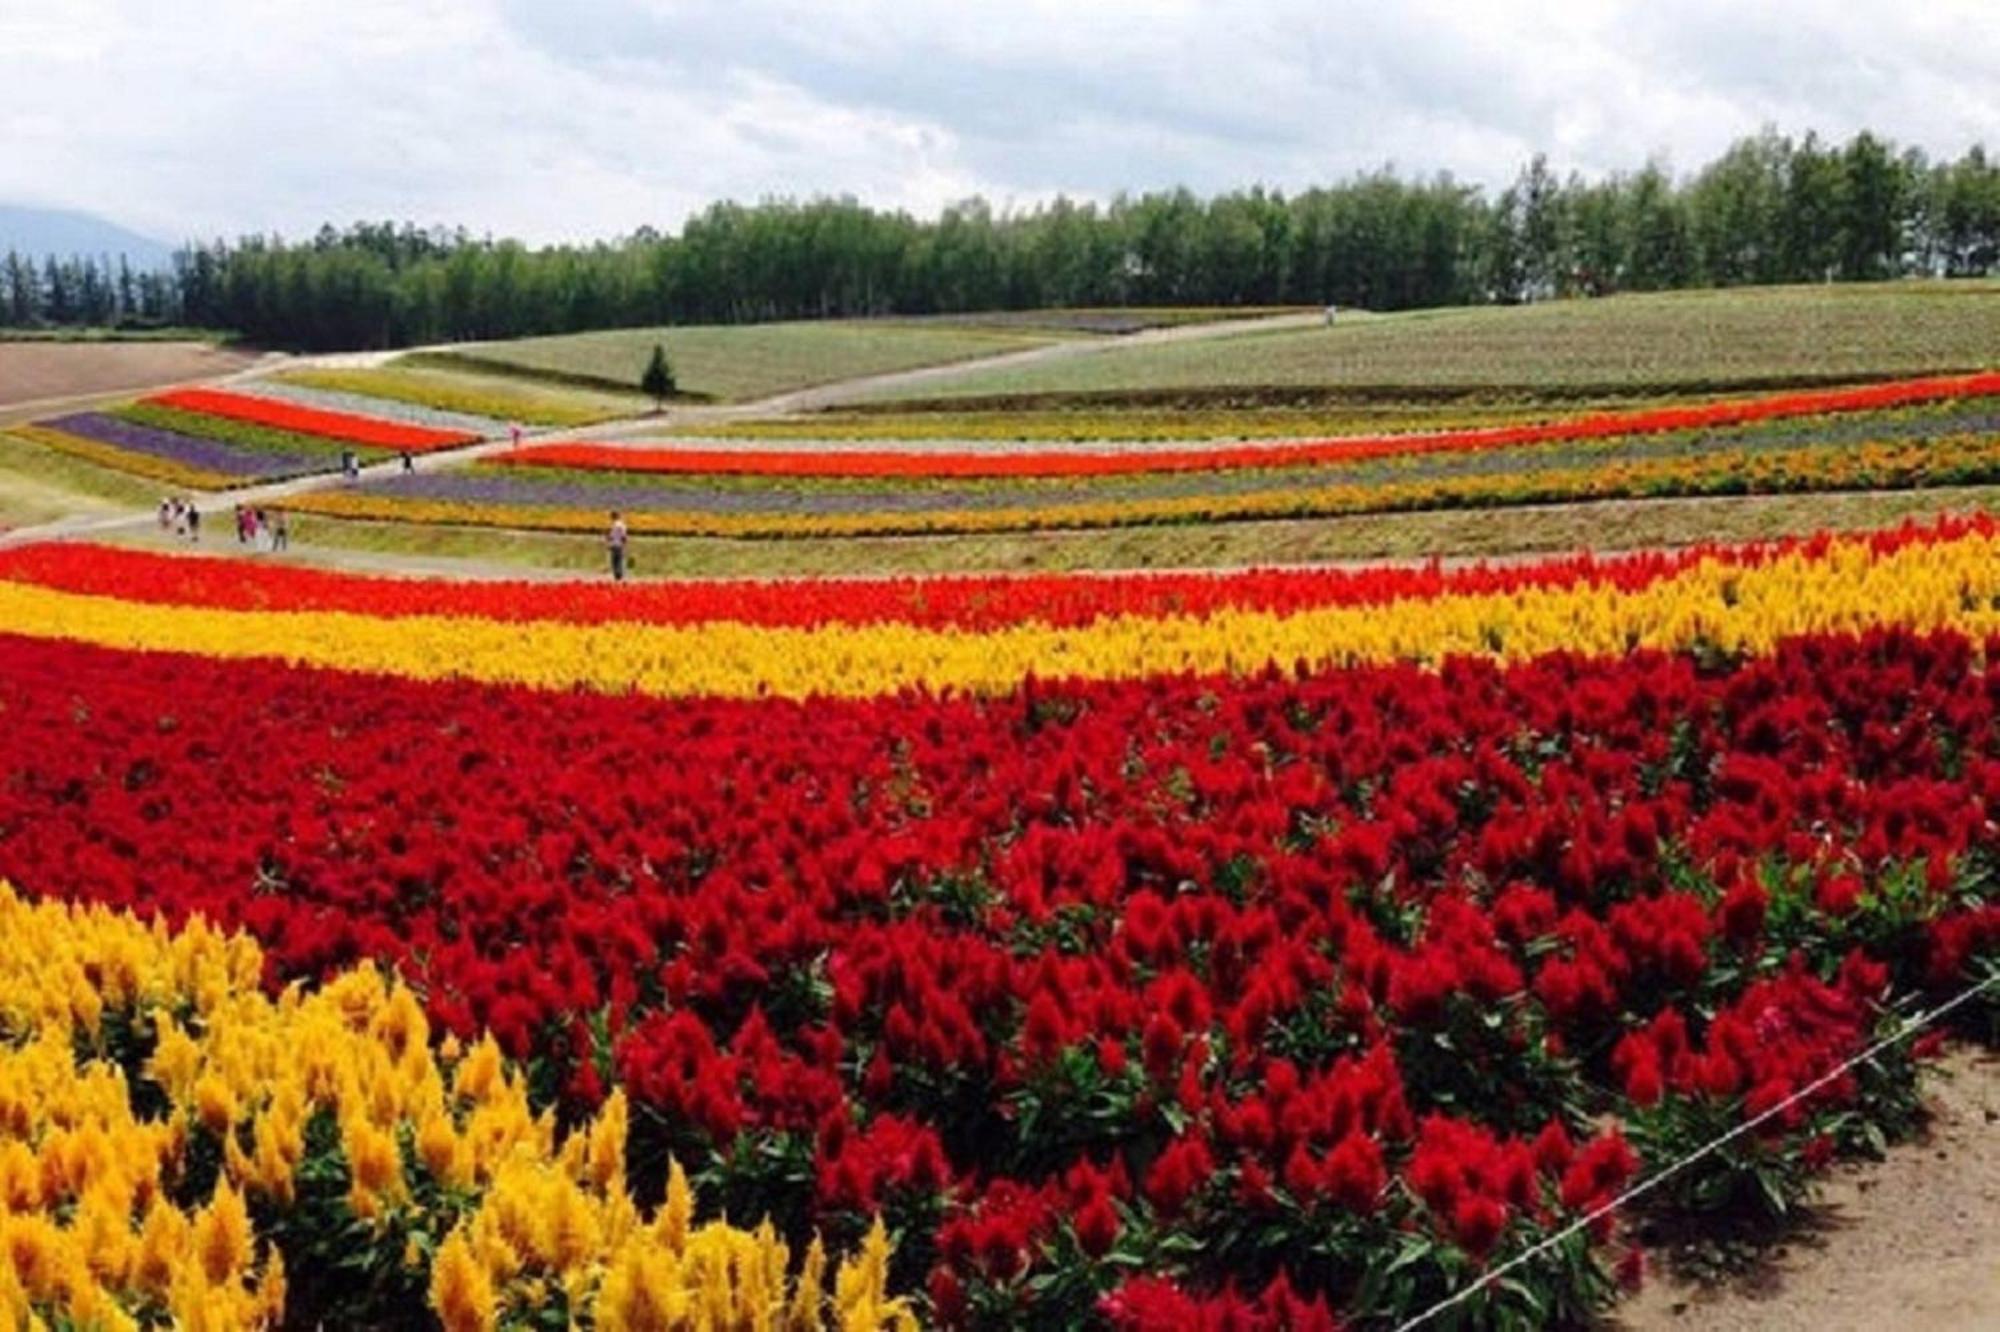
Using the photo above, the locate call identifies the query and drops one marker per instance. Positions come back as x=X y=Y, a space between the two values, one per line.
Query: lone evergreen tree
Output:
x=658 y=381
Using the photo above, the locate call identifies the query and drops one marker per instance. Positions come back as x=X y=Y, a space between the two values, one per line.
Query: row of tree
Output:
x=93 y=291
x=1770 y=209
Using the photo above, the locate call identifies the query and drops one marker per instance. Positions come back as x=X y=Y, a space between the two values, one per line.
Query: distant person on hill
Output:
x=166 y=513
x=281 y=537
x=409 y=463
x=180 y=512
x=614 y=541
x=350 y=466
x=194 y=523
x=514 y=433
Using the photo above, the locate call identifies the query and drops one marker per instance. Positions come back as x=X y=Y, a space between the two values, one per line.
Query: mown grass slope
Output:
x=1665 y=342
x=734 y=362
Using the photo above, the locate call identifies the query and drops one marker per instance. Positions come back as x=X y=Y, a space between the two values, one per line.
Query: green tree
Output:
x=657 y=382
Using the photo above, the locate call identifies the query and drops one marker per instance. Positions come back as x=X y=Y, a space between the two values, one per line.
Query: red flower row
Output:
x=909 y=463
x=1171 y=966
x=344 y=426
x=978 y=602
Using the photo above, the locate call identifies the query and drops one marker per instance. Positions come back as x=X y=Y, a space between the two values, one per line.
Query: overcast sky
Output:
x=586 y=118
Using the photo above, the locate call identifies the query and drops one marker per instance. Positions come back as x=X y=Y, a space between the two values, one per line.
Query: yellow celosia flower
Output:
x=861 y=1290
x=1923 y=585
x=461 y=1290
x=222 y=1236
x=551 y=1216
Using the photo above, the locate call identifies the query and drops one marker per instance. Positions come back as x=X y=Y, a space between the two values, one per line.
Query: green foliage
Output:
x=1771 y=209
x=657 y=380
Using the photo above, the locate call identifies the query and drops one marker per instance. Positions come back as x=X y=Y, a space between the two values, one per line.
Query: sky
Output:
x=580 y=119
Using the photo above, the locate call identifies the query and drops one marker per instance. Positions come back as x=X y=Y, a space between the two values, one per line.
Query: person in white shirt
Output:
x=614 y=541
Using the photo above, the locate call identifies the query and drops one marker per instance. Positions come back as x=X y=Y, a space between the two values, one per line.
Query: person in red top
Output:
x=614 y=541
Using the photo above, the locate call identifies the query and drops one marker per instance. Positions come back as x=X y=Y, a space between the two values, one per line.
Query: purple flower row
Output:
x=207 y=454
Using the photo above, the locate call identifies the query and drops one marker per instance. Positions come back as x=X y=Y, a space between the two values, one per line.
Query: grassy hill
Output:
x=734 y=362
x=1667 y=342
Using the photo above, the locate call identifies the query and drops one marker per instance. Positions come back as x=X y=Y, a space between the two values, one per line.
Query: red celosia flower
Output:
x=1476 y=1223
x=1097 y=1226
x=1741 y=913
x=1178 y=1174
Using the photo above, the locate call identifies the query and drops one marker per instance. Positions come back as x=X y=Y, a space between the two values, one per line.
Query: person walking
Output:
x=281 y=536
x=409 y=463
x=194 y=523
x=614 y=541
x=166 y=513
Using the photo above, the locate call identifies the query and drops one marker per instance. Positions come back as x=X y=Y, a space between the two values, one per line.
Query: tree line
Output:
x=1770 y=209
x=84 y=291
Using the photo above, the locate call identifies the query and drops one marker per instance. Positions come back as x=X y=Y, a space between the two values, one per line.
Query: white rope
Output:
x=1653 y=1181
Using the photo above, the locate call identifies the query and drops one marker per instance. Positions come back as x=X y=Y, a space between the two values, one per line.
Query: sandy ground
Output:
x=53 y=372
x=1910 y=1243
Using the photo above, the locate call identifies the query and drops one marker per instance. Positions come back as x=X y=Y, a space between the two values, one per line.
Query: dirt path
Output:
x=1911 y=1242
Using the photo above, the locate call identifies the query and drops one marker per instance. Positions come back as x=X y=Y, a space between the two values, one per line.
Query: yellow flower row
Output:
x=440 y=1148
x=1950 y=460
x=497 y=399
x=1921 y=585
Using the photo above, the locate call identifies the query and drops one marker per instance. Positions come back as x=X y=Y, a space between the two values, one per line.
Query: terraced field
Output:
x=1670 y=342
x=1902 y=435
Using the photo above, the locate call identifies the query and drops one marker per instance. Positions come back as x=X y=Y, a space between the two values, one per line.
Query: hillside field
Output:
x=1669 y=342
x=743 y=361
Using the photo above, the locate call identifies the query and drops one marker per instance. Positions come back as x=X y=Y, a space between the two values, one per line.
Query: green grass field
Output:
x=38 y=485
x=1668 y=342
x=1102 y=319
x=736 y=362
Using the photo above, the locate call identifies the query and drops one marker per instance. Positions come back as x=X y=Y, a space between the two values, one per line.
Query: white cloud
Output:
x=588 y=118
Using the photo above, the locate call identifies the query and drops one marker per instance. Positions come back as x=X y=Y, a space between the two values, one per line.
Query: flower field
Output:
x=1079 y=463
x=208 y=439
x=495 y=400
x=1260 y=950
x=1898 y=435
x=341 y=427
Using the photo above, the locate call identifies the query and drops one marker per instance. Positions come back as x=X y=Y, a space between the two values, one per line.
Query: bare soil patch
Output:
x=1912 y=1241
x=34 y=371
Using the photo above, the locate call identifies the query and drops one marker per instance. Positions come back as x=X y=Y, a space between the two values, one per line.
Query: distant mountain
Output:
x=45 y=231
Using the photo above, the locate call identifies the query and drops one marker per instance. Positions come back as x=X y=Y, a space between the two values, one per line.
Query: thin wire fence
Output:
x=1908 y=1028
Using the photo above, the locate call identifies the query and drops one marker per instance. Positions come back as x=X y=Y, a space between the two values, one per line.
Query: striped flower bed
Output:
x=343 y=427
x=910 y=463
x=167 y=455
x=387 y=409
x=1956 y=443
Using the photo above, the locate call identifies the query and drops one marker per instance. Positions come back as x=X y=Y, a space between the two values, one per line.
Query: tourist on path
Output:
x=614 y=541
